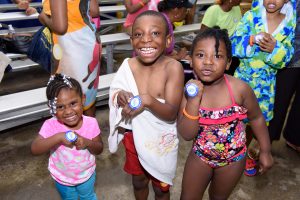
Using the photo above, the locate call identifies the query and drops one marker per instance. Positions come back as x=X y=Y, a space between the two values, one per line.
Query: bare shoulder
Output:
x=240 y=88
x=237 y=84
x=132 y=62
x=172 y=65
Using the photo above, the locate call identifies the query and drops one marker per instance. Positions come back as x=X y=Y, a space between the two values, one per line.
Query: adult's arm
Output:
x=58 y=21
x=94 y=8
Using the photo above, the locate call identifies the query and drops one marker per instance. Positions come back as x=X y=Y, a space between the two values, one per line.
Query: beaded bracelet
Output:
x=141 y=3
x=192 y=117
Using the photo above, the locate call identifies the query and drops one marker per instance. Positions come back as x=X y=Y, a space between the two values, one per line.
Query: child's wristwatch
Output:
x=71 y=136
x=258 y=38
x=135 y=102
x=191 y=89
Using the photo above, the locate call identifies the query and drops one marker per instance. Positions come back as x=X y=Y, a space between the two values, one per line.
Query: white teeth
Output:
x=147 y=50
x=71 y=118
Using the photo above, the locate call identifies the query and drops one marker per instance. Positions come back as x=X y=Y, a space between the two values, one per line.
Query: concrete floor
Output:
x=26 y=177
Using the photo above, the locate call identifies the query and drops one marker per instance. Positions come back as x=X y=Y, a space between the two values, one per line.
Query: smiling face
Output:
x=208 y=64
x=149 y=38
x=69 y=108
x=274 y=6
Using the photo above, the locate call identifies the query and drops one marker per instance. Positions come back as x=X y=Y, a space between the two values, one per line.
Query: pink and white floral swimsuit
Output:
x=221 y=137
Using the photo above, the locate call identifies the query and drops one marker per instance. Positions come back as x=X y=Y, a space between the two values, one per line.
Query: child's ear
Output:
x=83 y=98
x=191 y=64
x=130 y=36
x=168 y=40
x=228 y=64
x=130 y=40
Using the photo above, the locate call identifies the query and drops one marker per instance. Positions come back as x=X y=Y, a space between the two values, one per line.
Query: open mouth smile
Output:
x=71 y=118
x=147 y=51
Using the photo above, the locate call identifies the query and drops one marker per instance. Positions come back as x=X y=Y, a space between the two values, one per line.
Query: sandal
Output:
x=292 y=146
x=250 y=168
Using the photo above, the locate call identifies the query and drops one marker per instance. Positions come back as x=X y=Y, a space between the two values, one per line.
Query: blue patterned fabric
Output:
x=297 y=36
x=259 y=68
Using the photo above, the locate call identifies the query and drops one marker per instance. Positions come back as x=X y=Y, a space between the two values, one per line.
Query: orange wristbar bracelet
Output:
x=251 y=40
x=141 y=3
x=192 y=117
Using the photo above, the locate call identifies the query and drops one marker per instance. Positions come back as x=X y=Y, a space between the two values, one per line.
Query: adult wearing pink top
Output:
x=134 y=8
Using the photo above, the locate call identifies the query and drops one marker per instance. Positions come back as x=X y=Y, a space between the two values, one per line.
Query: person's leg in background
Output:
x=286 y=81
x=291 y=132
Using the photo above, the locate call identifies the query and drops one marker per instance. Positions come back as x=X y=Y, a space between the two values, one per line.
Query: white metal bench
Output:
x=23 y=107
x=17 y=16
x=205 y=2
x=20 y=15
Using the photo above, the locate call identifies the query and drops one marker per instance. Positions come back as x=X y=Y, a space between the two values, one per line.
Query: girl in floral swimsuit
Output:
x=214 y=120
x=221 y=137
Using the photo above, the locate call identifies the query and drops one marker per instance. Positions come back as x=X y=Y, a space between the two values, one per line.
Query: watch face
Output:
x=71 y=136
x=191 y=89
x=135 y=102
x=258 y=38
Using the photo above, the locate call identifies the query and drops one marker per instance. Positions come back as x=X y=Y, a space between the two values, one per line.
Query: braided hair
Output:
x=56 y=83
x=219 y=35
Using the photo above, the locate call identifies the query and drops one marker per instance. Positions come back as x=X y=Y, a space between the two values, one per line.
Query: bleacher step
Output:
x=31 y=105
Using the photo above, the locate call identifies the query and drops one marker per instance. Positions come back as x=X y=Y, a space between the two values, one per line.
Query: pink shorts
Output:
x=133 y=166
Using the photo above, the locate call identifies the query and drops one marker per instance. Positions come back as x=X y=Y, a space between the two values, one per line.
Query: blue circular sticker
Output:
x=191 y=89
x=135 y=102
x=71 y=136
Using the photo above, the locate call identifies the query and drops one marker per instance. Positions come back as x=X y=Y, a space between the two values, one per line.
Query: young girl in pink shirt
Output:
x=72 y=139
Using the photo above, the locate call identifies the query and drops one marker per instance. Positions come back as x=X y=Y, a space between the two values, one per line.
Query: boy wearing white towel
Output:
x=155 y=83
